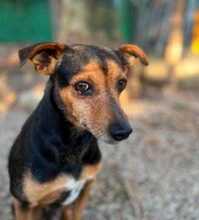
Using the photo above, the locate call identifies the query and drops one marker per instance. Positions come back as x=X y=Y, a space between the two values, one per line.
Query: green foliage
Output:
x=25 y=20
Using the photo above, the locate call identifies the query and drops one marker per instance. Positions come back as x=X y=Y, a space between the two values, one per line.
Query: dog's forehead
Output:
x=74 y=62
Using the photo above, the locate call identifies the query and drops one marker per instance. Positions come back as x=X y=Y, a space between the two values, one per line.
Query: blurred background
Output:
x=155 y=174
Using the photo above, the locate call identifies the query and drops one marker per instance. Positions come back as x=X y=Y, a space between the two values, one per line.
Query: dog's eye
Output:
x=83 y=88
x=121 y=84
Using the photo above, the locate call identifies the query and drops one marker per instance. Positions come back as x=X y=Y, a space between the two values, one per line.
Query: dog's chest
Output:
x=64 y=189
x=74 y=188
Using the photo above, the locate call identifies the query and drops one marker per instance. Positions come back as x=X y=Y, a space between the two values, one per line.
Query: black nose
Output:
x=120 y=131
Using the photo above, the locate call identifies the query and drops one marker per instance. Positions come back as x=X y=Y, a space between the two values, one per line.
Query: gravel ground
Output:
x=154 y=175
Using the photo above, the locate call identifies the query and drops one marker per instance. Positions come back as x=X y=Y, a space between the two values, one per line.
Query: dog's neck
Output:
x=73 y=142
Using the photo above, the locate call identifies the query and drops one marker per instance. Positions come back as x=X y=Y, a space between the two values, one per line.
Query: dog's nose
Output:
x=120 y=131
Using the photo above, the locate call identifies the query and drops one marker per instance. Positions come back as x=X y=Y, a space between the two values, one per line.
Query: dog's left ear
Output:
x=133 y=50
x=43 y=56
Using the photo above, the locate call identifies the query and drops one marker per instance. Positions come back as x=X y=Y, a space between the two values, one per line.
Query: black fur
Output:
x=49 y=145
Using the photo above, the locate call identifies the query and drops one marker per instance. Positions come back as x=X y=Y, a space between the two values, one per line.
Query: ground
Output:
x=154 y=175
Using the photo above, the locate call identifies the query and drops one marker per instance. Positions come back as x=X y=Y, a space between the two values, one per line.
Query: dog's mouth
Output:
x=110 y=135
x=100 y=136
x=107 y=140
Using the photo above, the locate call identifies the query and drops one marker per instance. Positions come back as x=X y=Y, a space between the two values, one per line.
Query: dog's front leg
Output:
x=25 y=213
x=68 y=213
x=75 y=211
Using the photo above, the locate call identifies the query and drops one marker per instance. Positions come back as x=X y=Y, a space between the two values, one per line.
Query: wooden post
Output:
x=174 y=48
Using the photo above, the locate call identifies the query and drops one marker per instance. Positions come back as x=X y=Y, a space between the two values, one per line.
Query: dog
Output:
x=54 y=160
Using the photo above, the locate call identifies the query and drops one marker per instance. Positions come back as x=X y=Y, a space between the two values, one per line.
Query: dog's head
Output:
x=88 y=81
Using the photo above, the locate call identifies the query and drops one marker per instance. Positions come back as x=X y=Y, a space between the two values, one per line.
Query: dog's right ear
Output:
x=43 y=56
x=135 y=51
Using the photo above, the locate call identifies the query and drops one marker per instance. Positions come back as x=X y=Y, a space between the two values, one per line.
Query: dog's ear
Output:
x=133 y=50
x=43 y=56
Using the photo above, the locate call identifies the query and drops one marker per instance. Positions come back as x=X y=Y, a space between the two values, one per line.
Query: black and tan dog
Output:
x=55 y=158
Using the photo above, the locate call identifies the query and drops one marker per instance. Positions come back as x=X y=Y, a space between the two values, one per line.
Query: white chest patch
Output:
x=75 y=188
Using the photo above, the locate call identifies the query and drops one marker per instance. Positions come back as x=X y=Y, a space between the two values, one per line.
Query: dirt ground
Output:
x=154 y=175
